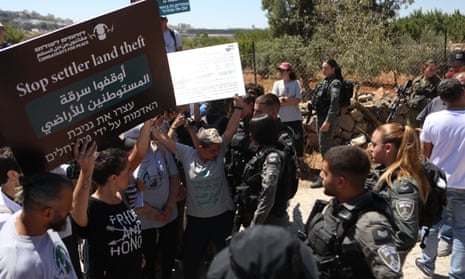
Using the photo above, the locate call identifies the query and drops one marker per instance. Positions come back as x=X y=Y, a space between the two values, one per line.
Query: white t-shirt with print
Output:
x=29 y=257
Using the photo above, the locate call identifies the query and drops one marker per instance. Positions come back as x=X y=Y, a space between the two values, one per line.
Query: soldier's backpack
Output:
x=321 y=98
x=347 y=93
x=430 y=213
x=246 y=197
x=288 y=176
x=431 y=210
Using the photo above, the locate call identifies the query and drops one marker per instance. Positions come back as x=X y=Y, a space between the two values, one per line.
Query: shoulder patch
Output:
x=390 y=257
x=405 y=208
x=381 y=236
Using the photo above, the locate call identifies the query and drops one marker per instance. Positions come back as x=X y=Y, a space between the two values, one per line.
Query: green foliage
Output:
x=354 y=35
x=270 y=53
x=302 y=17
x=362 y=35
x=437 y=21
x=411 y=54
x=203 y=40
x=290 y=17
x=12 y=34
x=246 y=41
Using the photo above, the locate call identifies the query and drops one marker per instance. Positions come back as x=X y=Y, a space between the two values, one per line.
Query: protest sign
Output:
x=95 y=79
x=206 y=74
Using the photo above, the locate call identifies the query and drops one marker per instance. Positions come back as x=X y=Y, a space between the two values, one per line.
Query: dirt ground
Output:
x=299 y=209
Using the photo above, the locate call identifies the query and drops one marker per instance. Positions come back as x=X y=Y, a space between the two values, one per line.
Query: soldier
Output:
x=352 y=236
x=269 y=104
x=326 y=103
x=423 y=90
x=401 y=180
x=241 y=149
x=261 y=175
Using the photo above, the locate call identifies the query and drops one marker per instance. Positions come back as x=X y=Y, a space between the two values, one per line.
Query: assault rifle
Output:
x=401 y=95
x=243 y=214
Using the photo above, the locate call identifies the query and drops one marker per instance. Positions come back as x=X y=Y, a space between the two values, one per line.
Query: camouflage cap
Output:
x=209 y=136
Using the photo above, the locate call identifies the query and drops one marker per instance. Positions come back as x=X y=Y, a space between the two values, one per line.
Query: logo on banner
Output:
x=101 y=30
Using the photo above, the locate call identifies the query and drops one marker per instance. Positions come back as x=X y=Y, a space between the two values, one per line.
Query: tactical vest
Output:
x=241 y=150
x=252 y=185
x=423 y=91
x=326 y=238
x=321 y=98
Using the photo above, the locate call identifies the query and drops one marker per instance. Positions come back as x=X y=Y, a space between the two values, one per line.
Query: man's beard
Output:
x=58 y=225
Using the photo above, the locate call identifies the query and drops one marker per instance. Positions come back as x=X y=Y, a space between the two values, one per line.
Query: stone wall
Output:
x=357 y=122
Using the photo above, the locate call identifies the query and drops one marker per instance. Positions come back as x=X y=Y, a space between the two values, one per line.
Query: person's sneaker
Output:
x=444 y=248
x=424 y=271
x=318 y=183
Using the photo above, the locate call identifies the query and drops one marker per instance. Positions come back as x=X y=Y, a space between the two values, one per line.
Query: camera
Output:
x=187 y=115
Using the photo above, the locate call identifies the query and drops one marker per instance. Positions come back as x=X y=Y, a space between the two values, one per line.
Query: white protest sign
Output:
x=206 y=74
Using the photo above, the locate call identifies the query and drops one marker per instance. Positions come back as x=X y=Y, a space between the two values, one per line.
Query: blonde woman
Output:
x=401 y=181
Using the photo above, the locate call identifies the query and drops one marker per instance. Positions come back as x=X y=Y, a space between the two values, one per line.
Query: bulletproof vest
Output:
x=252 y=186
x=327 y=232
x=241 y=150
x=321 y=98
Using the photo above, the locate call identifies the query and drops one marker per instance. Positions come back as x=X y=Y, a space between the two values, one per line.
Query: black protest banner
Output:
x=95 y=79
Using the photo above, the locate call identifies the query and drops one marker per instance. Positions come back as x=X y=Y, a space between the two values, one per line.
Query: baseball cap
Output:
x=264 y=251
x=285 y=66
x=1 y=25
x=209 y=136
x=456 y=58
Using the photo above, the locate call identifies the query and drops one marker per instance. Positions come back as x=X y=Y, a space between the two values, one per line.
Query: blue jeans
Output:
x=456 y=201
x=446 y=231
x=430 y=252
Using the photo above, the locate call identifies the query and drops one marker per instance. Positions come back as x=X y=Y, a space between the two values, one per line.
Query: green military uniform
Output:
x=354 y=240
x=423 y=90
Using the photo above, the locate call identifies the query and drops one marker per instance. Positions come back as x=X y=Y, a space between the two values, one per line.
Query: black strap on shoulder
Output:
x=173 y=35
x=375 y=203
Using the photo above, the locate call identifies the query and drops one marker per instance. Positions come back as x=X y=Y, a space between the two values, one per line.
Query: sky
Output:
x=214 y=14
